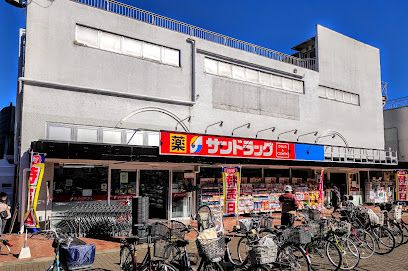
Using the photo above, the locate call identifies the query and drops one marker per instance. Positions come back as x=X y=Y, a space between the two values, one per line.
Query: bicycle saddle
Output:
x=280 y=227
x=181 y=243
x=228 y=239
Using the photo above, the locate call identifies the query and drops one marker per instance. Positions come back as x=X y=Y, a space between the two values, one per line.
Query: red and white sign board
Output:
x=174 y=143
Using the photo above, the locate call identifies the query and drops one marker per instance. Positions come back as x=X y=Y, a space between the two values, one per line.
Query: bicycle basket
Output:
x=395 y=213
x=160 y=231
x=245 y=225
x=314 y=229
x=324 y=227
x=159 y=248
x=212 y=249
x=266 y=222
x=314 y=214
x=178 y=230
x=205 y=218
x=264 y=252
x=375 y=219
x=299 y=235
x=342 y=227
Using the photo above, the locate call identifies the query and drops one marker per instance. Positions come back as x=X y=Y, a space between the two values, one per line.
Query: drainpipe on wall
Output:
x=193 y=79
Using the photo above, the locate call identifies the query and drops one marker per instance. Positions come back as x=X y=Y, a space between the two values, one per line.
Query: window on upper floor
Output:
x=103 y=40
x=339 y=95
x=82 y=133
x=254 y=76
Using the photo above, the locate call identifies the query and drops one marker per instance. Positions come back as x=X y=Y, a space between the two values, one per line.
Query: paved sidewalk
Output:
x=396 y=261
x=103 y=262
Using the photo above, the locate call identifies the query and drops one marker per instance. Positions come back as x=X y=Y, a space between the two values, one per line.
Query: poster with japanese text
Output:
x=231 y=177
x=401 y=182
x=34 y=185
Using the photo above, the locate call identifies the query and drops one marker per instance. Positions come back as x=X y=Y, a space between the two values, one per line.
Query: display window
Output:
x=380 y=187
x=82 y=183
x=181 y=194
x=123 y=184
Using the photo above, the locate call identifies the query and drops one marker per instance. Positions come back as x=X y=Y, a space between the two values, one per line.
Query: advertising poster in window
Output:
x=34 y=185
x=231 y=177
x=401 y=181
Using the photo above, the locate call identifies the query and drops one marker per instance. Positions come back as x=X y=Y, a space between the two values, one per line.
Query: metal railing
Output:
x=359 y=155
x=396 y=103
x=167 y=23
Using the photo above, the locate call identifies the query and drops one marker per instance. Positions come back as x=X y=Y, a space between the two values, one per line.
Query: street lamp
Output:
x=287 y=132
x=270 y=128
x=220 y=123
x=311 y=133
x=188 y=119
x=247 y=125
x=330 y=135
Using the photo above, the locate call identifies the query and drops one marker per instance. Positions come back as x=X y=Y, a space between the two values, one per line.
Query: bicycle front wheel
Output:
x=397 y=232
x=242 y=249
x=384 y=240
x=158 y=265
x=324 y=255
x=405 y=231
x=293 y=258
x=209 y=266
x=127 y=260
x=364 y=241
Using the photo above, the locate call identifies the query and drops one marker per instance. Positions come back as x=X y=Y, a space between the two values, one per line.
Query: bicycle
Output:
x=128 y=251
x=61 y=241
x=337 y=234
x=373 y=224
x=323 y=253
x=391 y=223
x=215 y=253
x=361 y=237
x=252 y=229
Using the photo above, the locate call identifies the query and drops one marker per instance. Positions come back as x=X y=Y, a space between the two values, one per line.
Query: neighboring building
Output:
x=7 y=167
x=396 y=128
x=101 y=79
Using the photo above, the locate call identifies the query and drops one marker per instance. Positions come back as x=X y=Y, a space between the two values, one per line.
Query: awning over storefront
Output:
x=111 y=152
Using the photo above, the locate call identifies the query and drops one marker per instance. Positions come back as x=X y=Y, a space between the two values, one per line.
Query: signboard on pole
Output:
x=321 y=191
x=231 y=177
x=34 y=185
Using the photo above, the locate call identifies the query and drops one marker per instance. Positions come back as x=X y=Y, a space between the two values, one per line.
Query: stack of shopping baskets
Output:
x=95 y=219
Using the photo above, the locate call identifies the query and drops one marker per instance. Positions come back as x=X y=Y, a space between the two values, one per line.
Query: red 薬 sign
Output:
x=174 y=143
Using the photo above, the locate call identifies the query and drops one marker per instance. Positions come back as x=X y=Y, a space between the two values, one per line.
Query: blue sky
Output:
x=274 y=24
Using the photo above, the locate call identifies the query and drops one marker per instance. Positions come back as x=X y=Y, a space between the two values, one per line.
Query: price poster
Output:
x=401 y=181
x=231 y=177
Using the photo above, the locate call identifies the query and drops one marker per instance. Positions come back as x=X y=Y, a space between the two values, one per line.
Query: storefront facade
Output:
x=177 y=184
x=97 y=110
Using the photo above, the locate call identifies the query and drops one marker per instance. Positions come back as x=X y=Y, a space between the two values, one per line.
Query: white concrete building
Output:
x=104 y=74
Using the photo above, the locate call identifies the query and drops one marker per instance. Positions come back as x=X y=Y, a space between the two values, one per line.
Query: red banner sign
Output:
x=34 y=185
x=231 y=182
x=174 y=143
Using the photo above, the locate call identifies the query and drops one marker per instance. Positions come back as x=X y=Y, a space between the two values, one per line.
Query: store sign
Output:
x=175 y=143
x=34 y=185
x=402 y=181
x=231 y=177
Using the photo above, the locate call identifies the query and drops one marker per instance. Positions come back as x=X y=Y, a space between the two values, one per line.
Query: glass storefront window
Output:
x=123 y=184
x=181 y=194
x=78 y=183
x=155 y=185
